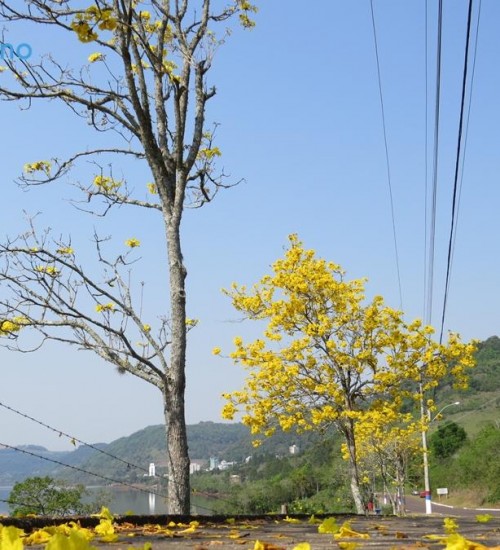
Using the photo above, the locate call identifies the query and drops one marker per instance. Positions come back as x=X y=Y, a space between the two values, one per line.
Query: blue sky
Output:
x=299 y=112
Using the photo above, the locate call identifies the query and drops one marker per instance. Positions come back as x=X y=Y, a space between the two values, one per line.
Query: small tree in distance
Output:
x=144 y=85
x=44 y=496
x=327 y=358
x=446 y=441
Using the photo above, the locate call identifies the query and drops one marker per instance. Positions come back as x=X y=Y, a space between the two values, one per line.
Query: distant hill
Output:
x=231 y=442
x=18 y=465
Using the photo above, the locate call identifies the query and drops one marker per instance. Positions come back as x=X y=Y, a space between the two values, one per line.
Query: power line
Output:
x=457 y=167
x=387 y=157
x=432 y=232
x=426 y=145
x=471 y=89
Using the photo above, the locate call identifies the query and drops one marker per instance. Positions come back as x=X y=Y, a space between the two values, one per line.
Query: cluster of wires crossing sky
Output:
x=369 y=128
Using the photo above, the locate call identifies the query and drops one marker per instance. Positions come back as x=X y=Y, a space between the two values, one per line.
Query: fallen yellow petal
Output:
x=328 y=526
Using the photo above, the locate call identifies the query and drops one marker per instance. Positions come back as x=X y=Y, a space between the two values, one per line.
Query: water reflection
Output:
x=152 y=503
x=123 y=501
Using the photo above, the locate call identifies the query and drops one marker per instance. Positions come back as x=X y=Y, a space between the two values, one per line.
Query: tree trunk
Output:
x=175 y=423
x=353 y=470
x=177 y=455
x=355 y=489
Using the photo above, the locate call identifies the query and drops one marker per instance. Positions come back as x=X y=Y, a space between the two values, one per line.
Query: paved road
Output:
x=416 y=505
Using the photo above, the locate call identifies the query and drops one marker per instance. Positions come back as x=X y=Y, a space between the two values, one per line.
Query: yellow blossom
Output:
x=93 y=57
x=83 y=30
x=105 y=307
x=39 y=166
x=106 y=21
x=48 y=270
x=146 y=328
x=216 y=351
x=8 y=327
x=152 y=188
x=209 y=153
x=65 y=251
x=133 y=243
x=107 y=184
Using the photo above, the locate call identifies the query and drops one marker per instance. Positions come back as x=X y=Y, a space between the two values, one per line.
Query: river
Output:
x=127 y=500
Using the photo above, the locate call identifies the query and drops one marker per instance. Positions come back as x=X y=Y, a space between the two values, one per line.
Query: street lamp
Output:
x=436 y=416
x=427 y=483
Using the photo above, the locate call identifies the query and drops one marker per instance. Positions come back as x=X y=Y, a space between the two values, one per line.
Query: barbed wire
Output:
x=72 y=439
x=81 y=470
x=147 y=491
x=17 y=503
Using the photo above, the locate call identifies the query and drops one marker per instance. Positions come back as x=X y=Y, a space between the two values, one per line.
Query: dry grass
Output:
x=467 y=498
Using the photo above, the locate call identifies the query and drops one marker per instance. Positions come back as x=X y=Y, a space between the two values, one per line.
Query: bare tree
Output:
x=146 y=86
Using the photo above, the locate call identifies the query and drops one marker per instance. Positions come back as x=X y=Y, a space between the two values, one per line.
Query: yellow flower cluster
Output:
x=105 y=307
x=93 y=18
x=246 y=8
x=65 y=251
x=144 y=65
x=107 y=184
x=48 y=270
x=133 y=243
x=14 y=325
x=39 y=166
x=93 y=57
x=152 y=188
x=209 y=154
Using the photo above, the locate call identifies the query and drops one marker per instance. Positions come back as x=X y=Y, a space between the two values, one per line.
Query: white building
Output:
x=194 y=467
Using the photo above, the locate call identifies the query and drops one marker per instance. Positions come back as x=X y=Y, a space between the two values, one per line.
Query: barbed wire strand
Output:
x=75 y=439
x=72 y=439
x=81 y=470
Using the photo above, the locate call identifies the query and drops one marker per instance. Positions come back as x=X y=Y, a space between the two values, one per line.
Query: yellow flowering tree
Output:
x=328 y=356
x=144 y=82
x=387 y=439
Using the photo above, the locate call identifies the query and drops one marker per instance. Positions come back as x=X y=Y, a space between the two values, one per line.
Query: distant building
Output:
x=196 y=465
x=214 y=463
x=224 y=465
x=293 y=449
x=152 y=469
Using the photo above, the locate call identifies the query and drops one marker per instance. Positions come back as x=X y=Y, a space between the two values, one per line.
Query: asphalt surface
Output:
x=416 y=505
x=279 y=533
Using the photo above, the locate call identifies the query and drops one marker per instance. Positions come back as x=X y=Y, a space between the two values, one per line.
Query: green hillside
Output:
x=230 y=442
x=480 y=403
